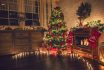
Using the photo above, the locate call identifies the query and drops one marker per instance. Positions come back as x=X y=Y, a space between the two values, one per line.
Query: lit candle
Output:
x=81 y=42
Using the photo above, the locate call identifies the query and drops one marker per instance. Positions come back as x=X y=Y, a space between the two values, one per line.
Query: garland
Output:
x=92 y=24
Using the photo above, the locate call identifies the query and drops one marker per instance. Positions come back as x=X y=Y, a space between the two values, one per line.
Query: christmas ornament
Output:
x=57 y=29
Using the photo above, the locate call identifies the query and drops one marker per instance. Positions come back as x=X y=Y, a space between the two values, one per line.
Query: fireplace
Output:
x=81 y=44
x=81 y=36
x=82 y=41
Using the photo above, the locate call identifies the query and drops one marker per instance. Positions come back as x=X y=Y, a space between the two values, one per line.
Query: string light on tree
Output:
x=56 y=35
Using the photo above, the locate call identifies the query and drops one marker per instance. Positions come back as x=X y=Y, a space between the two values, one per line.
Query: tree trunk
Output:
x=80 y=23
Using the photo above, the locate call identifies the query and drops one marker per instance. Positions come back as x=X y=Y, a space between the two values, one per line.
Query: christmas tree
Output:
x=56 y=35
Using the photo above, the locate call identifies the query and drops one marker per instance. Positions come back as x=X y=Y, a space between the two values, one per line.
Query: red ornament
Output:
x=52 y=35
x=50 y=28
x=59 y=24
x=63 y=35
x=62 y=43
x=51 y=44
x=62 y=15
x=57 y=6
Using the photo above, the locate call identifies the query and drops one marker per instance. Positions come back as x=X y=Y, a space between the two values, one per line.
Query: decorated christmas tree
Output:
x=56 y=35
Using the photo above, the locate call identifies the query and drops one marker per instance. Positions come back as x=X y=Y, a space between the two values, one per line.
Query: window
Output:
x=32 y=12
x=35 y=16
x=28 y=2
x=8 y=12
x=36 y=3
x=36 y=22
x=12 y=7
x=28 y=15
x=28 y=22
x=36 y=9
x=3 y=14
x=14 y=1
x=13 y=21
x=13 y=14
x=13 y=18
x=28 y=6
x=28 y=9
x=3 y=5
x=3 y=21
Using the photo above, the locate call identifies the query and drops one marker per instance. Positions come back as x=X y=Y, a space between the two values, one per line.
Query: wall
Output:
x=69 y=8
x=12 y=42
